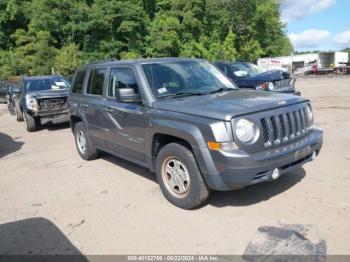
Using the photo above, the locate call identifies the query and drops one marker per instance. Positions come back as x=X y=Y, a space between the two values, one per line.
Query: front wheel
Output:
x=179 y=177
x=31 y=122
x=83 y=143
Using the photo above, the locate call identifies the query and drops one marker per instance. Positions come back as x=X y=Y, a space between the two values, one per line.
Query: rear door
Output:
x=126 y=123
x=91 y=107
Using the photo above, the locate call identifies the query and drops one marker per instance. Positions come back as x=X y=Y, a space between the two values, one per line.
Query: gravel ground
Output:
x=53 y=202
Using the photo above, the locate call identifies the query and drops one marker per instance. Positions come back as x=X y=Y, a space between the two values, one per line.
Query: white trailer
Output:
x=287 y=63
x=304 y=62
x=332 y=59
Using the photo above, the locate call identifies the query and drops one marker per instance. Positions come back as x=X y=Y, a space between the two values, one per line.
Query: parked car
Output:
x=42 y=100
x=188 y=123
x=249 y=76
x=10 y=98
x=3 y=92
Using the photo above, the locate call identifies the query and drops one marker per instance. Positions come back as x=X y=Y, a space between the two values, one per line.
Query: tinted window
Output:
x=121 y=78
x=79 y=82
x=41 y=84
x=96 y=80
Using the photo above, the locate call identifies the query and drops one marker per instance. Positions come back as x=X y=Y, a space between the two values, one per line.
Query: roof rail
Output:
x=104 y=61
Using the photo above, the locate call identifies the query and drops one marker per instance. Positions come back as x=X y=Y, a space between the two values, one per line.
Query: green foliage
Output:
x=44 y=36
x=68 y=59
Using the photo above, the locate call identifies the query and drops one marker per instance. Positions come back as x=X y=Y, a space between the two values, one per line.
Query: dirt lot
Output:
x=54 y=202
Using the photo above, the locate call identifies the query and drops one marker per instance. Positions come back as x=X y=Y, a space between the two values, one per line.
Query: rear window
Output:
x=96 y=80
x=79 y=82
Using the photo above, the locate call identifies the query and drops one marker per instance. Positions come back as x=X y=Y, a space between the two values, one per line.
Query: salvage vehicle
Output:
x=3 y=92
x=249 y=76
x=187 y=122
x=42 y=100
x=10 y=98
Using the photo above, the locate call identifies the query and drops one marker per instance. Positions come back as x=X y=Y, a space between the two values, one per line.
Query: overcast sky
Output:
x=317 y=24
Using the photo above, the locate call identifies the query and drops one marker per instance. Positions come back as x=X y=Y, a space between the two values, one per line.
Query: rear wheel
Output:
x=179 y=177
x=18 y=113
x=31 y=122
x=83 y=143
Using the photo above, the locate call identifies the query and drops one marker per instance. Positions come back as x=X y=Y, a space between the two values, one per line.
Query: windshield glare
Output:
x=58 y=83
x=171 y=78
x=245 y=69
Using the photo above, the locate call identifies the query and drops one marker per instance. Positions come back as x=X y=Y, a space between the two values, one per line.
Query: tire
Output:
x=31 y=122
x=19 y=116
x=89 y=151
x=194 y=190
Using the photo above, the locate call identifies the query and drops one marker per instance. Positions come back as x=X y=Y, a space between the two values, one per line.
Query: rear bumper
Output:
x=235 y=170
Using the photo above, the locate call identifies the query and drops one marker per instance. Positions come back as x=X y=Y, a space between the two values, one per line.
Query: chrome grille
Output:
x=281 y=128
x=282 y=84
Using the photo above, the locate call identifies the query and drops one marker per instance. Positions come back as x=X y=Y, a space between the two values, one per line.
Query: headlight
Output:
x=310 y=115
x=271 y=86
x=31 y=102
x=246 y=131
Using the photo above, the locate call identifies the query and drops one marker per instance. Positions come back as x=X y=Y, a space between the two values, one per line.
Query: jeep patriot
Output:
x=185 y=121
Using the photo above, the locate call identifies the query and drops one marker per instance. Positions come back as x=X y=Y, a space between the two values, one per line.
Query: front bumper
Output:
x=54 y=117
x=235 y=170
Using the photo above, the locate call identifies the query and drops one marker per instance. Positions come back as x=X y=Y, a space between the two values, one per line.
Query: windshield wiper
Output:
x=196 y=93
x=182 y=94
x=221 y=89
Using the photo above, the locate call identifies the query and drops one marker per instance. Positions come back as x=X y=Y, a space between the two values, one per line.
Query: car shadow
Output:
x=257 y=193
x=8 y=145
x=33 y=237
x=134 y=168
x=55 y=127
x=244 y=197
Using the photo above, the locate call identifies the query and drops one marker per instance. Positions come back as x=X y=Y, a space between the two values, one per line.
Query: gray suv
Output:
x=185 y=121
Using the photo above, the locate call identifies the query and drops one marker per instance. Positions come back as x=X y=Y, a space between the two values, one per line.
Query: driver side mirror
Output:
x=128 y=95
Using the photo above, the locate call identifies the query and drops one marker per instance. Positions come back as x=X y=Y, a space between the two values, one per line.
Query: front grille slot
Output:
x=282 y=84
x=53 y=104
x=284 y=127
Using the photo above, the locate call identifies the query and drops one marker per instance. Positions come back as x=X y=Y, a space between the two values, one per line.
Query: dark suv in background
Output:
x=185 y=121
x=249 y=76
x=41 y=100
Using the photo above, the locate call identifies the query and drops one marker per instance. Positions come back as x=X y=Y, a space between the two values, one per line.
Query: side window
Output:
x=78 y=82
x=121 y=78
x=96 y=80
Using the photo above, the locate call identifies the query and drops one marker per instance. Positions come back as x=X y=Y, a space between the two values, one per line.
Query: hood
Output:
x=228 y=104
x=268 y=76
x=50 y=93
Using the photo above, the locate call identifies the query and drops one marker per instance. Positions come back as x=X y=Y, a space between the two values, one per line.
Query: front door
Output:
x=126 y=122
x=91 y=106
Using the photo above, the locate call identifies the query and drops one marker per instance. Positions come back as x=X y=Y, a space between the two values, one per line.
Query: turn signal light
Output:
x=214 y=146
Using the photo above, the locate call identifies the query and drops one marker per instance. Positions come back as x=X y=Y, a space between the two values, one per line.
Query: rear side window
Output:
x=79 y=82
x=122 y=78
x=96 y=80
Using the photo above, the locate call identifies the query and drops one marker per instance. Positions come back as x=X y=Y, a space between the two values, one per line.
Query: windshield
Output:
x=185 y=78
x=245 y=69
x=43 y=84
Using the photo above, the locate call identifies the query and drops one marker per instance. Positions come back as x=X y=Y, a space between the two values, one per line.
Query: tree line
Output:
x=42 y=36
